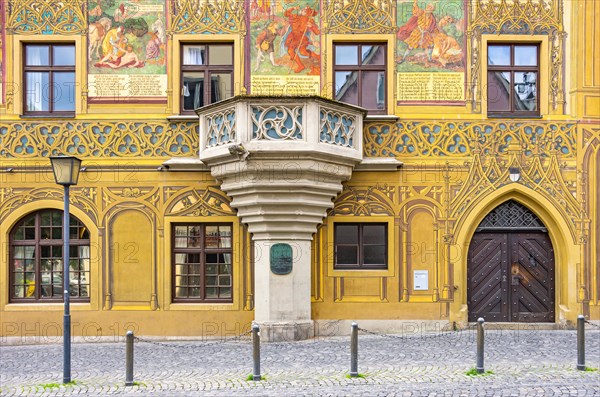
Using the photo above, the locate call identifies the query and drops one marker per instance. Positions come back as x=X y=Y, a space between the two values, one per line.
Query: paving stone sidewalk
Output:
x=524 y=363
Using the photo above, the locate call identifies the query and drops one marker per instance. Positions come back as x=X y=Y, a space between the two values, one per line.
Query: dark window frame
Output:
x=201 y=251
x=512 y=69
x=38 y=242
x=50 y=69
x=208 y=70
x=363 y=68
x=360 y=247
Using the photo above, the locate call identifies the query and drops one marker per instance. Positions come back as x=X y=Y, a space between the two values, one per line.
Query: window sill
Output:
x=47 y=116
x=183 y=117
x=517 y=116
x=381 y=117
x=383 y=164
x=362 y=273
x=58 y=306
x=192 y=306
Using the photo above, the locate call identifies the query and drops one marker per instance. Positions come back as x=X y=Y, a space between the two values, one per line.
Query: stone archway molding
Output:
x=567 y=252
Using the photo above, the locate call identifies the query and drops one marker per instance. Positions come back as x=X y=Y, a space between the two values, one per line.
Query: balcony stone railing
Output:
x=321 y=124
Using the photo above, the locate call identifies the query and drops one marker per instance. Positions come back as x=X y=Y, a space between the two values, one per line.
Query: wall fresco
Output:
x=431 y=51
x=285 y=47
x=127 y=49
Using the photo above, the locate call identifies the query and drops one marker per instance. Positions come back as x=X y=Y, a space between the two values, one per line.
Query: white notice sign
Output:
x=421 y=280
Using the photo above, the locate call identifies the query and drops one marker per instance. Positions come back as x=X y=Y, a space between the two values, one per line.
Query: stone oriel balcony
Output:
x=282 y=161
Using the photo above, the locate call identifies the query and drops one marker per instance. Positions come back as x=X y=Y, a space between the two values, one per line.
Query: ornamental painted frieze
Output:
x=65 y=17
x=359 y=16
x=127 y=139
x=207 y=16
x=462 y=138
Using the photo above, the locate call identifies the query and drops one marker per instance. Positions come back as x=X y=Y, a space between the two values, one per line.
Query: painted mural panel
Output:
x=285 y=47
x=431 y=51
x=127 y=49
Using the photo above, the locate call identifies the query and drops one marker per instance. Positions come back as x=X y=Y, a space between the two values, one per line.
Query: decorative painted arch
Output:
x=17 y=199
x=361 y=201
x=194 y=202
x=567 y=251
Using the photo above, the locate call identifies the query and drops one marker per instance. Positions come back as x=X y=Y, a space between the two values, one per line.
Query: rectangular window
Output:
x=360 y=246
x=206 y=74
x=513 y=73
x=202 y=262
x=49 y=79
x=359 y=75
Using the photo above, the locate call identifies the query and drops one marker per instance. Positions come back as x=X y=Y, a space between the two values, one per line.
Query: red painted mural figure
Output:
x=297 y=42
x=419 y=31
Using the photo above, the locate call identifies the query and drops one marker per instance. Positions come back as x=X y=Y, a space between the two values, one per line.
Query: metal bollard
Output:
x=480 y=345
x=581 y=342
x=354 y=350
x=129 y=359
x=256 y=352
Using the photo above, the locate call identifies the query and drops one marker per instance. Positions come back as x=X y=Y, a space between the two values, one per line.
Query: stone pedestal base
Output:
x=286 y=332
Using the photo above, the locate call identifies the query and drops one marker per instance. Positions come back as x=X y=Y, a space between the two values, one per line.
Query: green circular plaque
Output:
x=281 y=258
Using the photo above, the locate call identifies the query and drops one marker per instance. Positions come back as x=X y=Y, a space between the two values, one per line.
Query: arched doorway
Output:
x=510 y=268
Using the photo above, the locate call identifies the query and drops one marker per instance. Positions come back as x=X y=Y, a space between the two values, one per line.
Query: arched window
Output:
x=36 y=265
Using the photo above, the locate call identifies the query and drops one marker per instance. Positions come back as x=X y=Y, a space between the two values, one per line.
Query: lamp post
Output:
x=66 y=173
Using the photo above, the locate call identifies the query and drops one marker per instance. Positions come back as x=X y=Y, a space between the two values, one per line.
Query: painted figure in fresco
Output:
x=446 y=49
x=121 y=13
x=96 y=33
x=265 y=8
x=419 y=31
x=129 y=59
x=153 y=48
x=159 y=27
x=297 y=39
x=264 y=44
x=96 y=11
x=114 y=44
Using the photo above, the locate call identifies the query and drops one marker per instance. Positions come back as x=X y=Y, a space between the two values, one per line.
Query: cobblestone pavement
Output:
x=524 y=363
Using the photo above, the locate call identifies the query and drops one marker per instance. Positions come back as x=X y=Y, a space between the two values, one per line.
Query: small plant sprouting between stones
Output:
x=251 y=377
x=362 y=376
x=590 y=369
x=473 y=372
x=57 y=385
x=50 y=385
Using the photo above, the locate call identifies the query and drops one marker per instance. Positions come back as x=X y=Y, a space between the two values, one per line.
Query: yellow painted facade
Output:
x=455 y=171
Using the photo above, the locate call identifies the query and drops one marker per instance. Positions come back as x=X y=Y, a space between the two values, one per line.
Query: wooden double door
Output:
x=511 y=277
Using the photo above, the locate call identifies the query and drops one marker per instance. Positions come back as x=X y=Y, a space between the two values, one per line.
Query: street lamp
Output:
x=66 y=172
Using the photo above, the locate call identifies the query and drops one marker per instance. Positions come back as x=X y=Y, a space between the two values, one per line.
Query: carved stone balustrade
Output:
x=282 y=161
